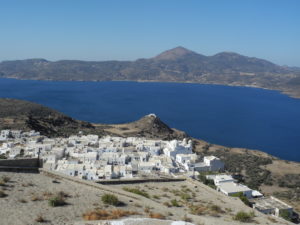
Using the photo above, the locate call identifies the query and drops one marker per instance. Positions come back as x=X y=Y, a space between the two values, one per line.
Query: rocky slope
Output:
x=149 y=126
x=258 y=170
x=27 y=195
x=175 y=65
x=24 y=115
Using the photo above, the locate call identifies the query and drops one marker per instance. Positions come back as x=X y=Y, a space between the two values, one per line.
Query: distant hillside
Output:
x=175 y=65
x=24 y=115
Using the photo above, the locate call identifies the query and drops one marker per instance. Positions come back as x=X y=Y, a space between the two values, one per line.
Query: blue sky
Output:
x=131 y=29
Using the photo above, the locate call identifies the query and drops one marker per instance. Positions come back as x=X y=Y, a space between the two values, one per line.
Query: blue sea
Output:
x=231 y=116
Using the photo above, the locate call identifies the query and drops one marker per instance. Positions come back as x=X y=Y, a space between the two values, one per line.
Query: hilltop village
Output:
x=96 y=159
x=92 y=158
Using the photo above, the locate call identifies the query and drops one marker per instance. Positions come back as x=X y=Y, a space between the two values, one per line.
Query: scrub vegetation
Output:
x=244 y=216
x=102 y=214
x=137 y=191
x=110 y=200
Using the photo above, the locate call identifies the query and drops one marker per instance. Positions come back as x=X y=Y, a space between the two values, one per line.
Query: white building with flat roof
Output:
x=222 y=178
x=271 y=206
x=210 y=163
x=231 y=188
x=175 y=147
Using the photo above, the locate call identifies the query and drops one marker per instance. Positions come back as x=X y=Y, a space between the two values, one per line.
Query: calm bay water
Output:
x=231 y=116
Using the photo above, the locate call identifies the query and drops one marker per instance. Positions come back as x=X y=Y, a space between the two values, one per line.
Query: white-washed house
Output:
x=231 y=188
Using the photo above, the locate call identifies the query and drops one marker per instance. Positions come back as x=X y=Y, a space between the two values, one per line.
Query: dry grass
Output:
x=64 y=194
x=22 y=200
x=40 y=219
x=147 y=209
x=35 y=198
x=101 y=214
x=157 y=216
x=212 y=210
x=216 y=209
x=198 y=209
x=29 y=184
x=47 y=195
x=168 y=204
x=4 y=180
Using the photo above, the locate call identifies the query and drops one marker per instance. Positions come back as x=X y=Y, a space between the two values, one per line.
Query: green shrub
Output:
x=185 y=196
x=110 y=199
x=243 y=216
x=175 y=203
x=204 y=180
x=57 y=201
x=156 y=196
x=242 y=197
x=137 y=191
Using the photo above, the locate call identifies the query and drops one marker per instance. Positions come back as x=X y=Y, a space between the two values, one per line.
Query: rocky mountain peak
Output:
x=174 y=53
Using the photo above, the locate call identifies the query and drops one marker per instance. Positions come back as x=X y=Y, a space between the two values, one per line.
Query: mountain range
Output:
x=176 y=65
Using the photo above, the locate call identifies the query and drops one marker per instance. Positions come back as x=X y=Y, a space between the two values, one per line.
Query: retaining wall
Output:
x=19 y=169
x=90 y=183
x=135 y=181
x=103 y=187
x=31 y=162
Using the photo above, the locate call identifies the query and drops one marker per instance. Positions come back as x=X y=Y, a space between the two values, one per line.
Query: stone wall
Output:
x=55 y=174
x=27 y=163
x=136 y=181
x=100 y=186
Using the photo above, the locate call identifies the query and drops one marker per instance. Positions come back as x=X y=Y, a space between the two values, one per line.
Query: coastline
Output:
x=288 y=93
x=208 y=137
